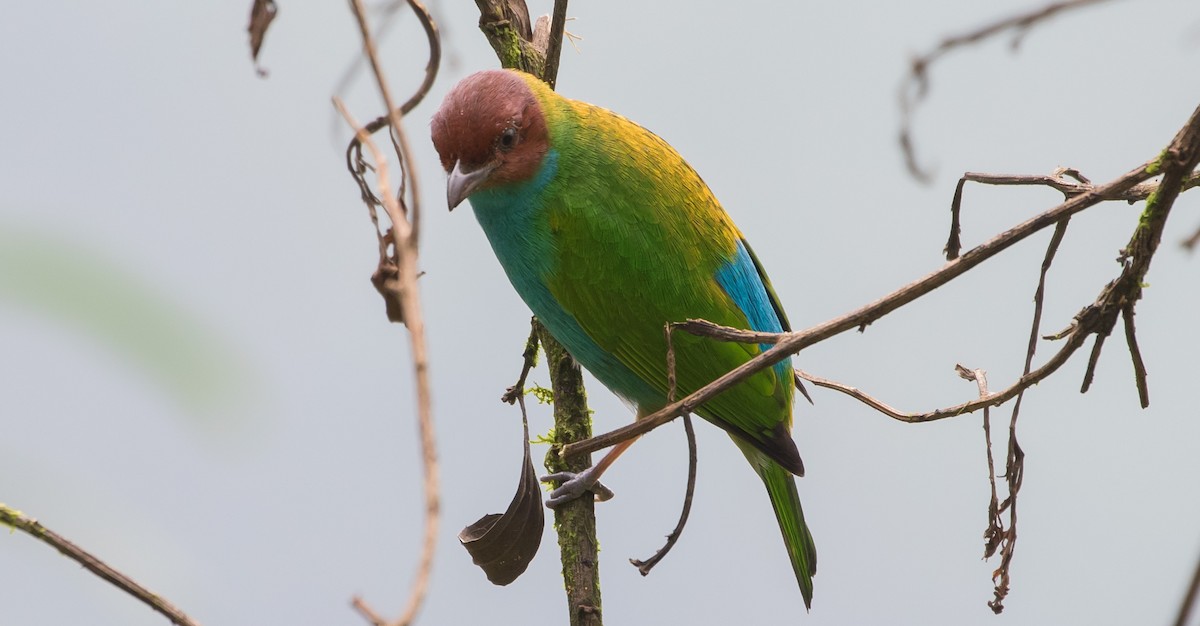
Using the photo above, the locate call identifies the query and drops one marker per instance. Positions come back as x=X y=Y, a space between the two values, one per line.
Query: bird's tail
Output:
x=781 y=486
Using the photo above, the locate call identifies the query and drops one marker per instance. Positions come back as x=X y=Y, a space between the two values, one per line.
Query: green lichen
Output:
x=513 y=51
x=575 y=521
x=540 y=393
x=1148 y=213
x=547 y=439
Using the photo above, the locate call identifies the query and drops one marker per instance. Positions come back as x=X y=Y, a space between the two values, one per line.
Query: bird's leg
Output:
x=575 y=485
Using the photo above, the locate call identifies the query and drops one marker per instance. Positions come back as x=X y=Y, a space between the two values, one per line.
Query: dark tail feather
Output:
x=781 y=486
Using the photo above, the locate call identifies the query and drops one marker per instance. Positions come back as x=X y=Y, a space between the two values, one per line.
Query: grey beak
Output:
x=462 y=184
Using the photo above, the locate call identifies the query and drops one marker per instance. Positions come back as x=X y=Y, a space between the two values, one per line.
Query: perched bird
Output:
x=608 y=234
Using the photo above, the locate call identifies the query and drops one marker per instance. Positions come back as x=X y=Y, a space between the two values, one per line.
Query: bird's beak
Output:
x=461 y=183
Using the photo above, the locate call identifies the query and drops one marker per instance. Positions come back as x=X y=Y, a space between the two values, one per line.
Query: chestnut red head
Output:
x=489 y=131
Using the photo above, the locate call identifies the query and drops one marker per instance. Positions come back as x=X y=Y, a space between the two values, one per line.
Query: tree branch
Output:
x=791 y=343
x=15 y=519
x=575 y=521
x=505 y=23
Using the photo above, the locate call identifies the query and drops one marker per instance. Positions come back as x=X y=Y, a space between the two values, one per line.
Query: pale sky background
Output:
x=140 y=154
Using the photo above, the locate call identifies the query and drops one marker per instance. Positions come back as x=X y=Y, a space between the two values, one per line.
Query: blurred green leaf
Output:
x=87 y=290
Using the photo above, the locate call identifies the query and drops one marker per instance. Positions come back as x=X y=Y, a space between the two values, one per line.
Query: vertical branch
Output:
x=575 y=521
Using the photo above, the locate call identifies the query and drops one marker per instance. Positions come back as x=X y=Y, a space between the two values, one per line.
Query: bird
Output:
x=608 y=234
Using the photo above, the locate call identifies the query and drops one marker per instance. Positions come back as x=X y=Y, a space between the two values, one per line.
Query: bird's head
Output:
x=489 y=131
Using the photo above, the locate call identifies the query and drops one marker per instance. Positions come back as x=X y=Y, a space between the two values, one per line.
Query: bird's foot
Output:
x=575 y=485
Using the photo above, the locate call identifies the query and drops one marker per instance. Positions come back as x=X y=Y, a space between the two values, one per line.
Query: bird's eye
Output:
x=508 y=139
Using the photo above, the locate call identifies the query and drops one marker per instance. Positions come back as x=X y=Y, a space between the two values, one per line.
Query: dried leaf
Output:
x=504 y=545
x=261 y=15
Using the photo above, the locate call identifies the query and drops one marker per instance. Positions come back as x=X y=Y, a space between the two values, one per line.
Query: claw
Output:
x=575 y=485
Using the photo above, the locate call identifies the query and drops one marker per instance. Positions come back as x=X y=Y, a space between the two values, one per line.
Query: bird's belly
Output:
x=597 y=360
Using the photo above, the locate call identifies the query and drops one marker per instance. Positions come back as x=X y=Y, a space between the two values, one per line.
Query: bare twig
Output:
x=1057 y=180
x=410 y=306
x=644 y=567
x=915 y=86
x=354 y=158
x=529 y=361
x=1189 y=598
x=1176 y=163
x=404 y=242
x=1014 y=475
x=15 y=519
x=367 y=612
x=1139 y=366
x=558 y=24
x=997 y=536
x=1192 y=240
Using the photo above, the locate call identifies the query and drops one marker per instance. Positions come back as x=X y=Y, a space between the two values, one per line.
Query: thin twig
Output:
x=1089 y=374
x=15 y=519
x=995 y=399
x=1057 y=180
x=1014 y=475
x=1139 y=366
x=367 y=612
x=1192 y=240
x=1189 y=598
x=404 y=240
x=998 y=537
x=529 y=361
x=558 y=23
x=354 y=159
x=915 y=86
x=995 y=527
x=645 y=566
x=410 y=304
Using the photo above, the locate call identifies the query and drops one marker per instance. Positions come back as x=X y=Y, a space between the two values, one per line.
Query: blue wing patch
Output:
x=742 y=278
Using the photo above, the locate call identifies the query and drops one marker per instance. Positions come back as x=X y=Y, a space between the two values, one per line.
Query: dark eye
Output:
x=508 y=139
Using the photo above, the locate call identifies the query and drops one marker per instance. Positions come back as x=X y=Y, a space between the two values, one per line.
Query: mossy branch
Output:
x=506 y=25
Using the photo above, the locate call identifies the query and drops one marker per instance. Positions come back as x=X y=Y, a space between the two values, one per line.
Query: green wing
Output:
x=641 y=240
